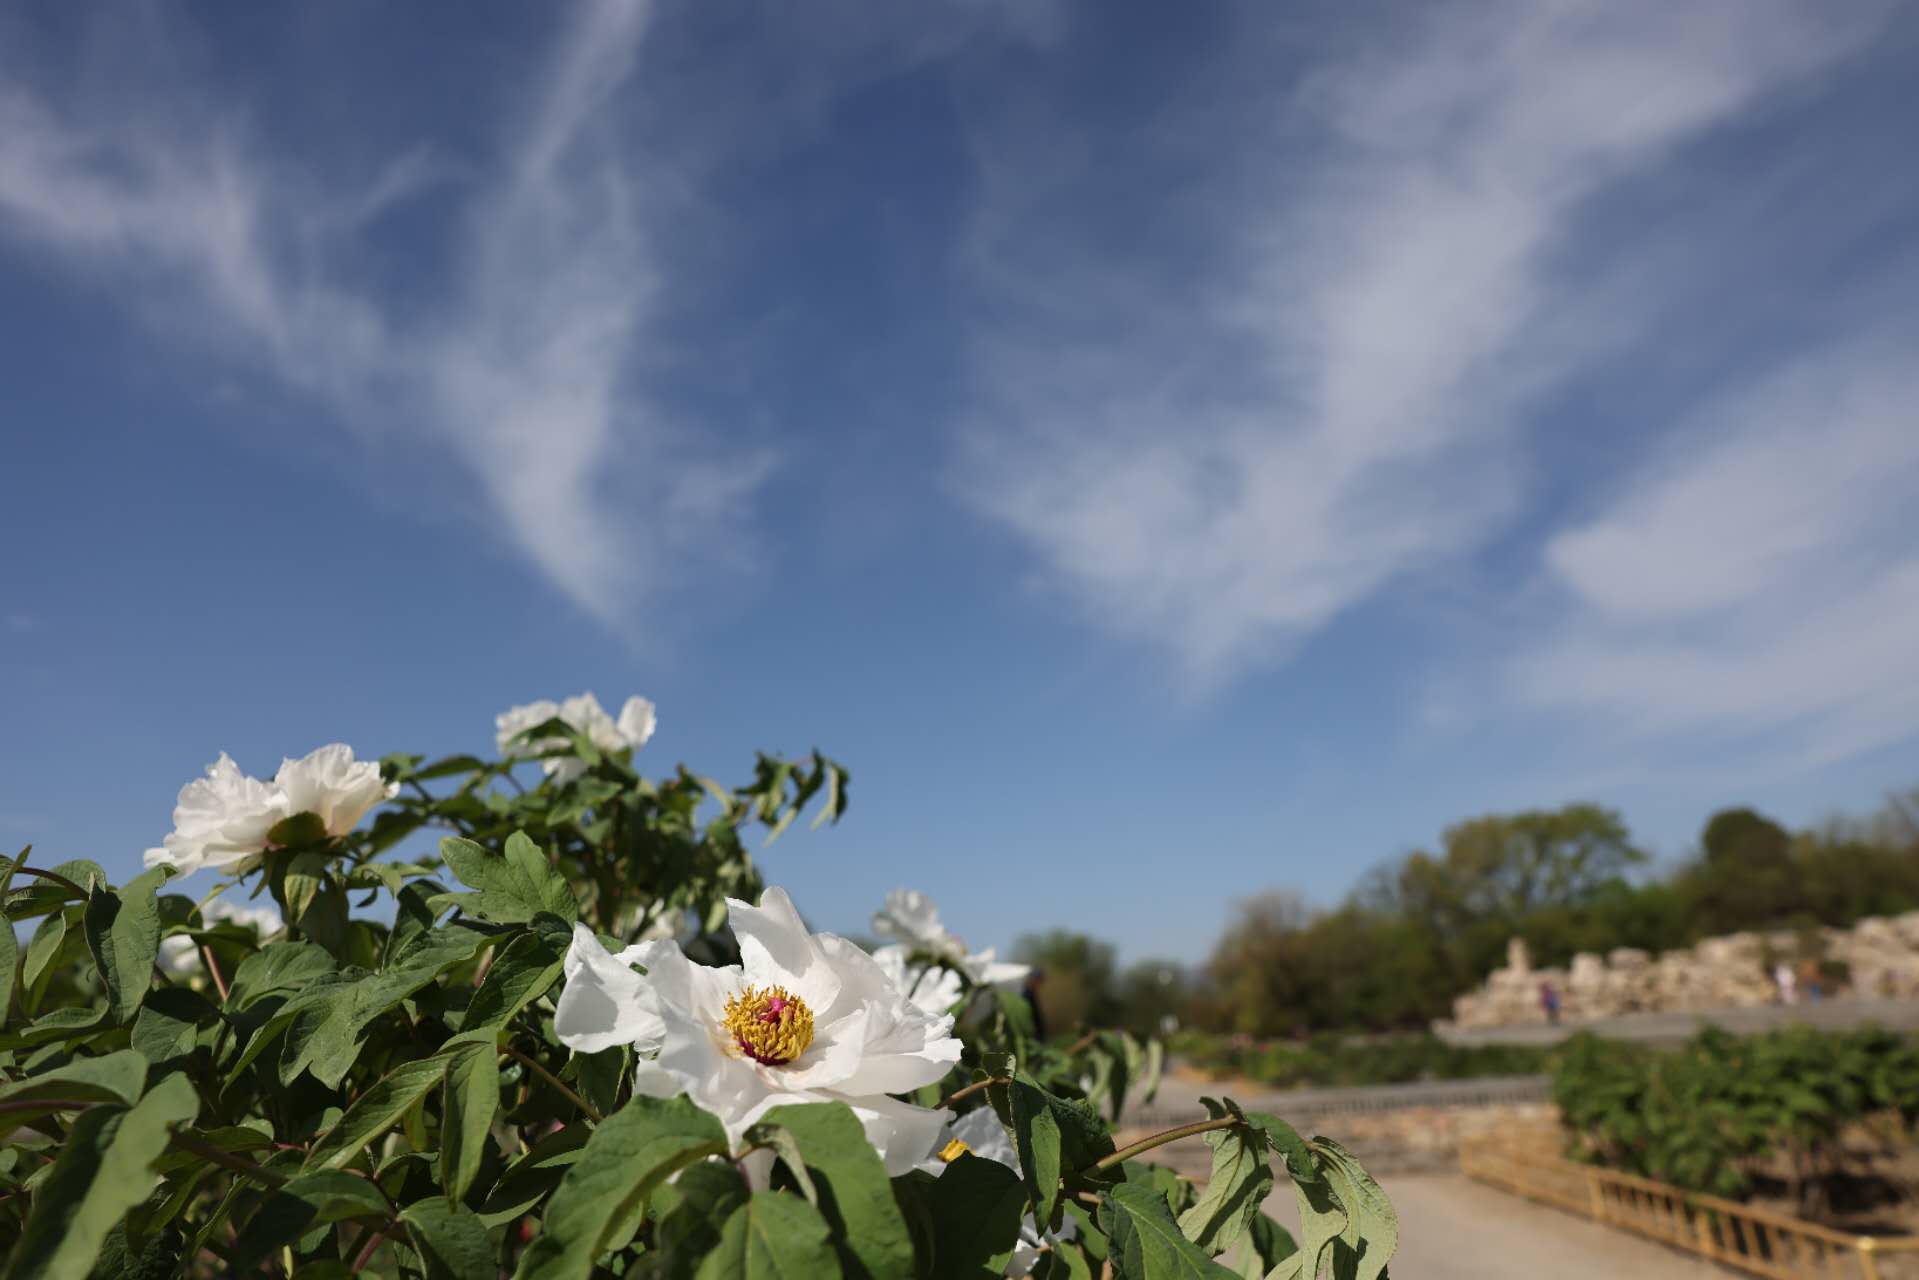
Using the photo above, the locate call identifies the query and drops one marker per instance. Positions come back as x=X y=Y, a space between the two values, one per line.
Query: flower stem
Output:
x=591 y=1111
x=1171 y=1135
x=213 y=968
x=973 y=1088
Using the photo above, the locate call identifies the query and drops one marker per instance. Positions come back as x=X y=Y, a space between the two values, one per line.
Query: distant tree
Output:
x=1153 y=996
x=1743 y=838
x=1079 y=989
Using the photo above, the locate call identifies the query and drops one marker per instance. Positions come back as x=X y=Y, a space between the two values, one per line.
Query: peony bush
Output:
x=581 y=1039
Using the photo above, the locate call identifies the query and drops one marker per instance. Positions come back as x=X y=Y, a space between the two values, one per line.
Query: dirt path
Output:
x=1451 y=1228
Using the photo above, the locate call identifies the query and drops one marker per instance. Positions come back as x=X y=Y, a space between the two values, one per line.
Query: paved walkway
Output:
x=1451 y=1228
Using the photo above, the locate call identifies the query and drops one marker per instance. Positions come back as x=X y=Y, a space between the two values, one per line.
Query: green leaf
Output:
x=528 y=1179
x=168 y=1022
x=1282 y=1138
x=452 y=1240
x=1054 y=1136
x=855 y=1195
x=690 y=1212
x=306 y=1201
x=105 y=1168
x=1321 y=1220
x=41 y=950
x=123 y=932
x=510 y=887
x=297 y=831
x=1372 y=1228
x=598 y=1205
x=472 y=1098
x=112 y=1078
x=1146 y=1243
x=976 y=1206
x=1240 y=1182
x=278 y=966
x=9 y=945
x=521 y=973
x=772 y=1237
x=1264 y=1246
x=377 y=1110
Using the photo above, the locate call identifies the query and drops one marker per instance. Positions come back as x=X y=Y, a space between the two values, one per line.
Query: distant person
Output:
x=1782 y=977
x=1549 y=1001
x=1810 y=977
x=1035 y=979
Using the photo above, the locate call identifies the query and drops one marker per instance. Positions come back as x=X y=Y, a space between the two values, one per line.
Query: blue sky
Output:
x=1166 y=452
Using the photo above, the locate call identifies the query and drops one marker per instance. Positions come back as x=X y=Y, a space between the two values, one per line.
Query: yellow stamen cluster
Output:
x=953 y=1151
x=773 y=1026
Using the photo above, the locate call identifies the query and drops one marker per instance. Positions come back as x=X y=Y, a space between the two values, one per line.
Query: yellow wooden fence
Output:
x=1748 y=1239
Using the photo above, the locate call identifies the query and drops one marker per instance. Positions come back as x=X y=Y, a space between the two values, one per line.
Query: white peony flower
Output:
x=979 y=1132
x=934 y=989
x=330 y=785
x=911 y=917
x=586 y=716
x=180 y=954
x=220 y=820
x=804 y=1018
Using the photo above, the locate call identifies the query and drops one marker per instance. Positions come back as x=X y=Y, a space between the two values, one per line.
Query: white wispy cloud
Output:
x=525 y=368
x=1761 y=571
x=1223 y=466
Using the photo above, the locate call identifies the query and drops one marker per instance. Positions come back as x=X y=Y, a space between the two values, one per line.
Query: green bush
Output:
x=1712 y=1115
x=1327 y=1061
x=569 y=1044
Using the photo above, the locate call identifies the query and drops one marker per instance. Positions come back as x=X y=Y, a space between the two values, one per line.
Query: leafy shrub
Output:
x=569 y=1045
x=1328 y=1061
x=1708 y=1116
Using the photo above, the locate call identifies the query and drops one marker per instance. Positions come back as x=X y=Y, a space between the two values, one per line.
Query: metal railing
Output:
x=1757 y=1241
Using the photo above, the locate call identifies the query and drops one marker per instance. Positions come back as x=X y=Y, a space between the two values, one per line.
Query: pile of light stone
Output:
x=1735 y=971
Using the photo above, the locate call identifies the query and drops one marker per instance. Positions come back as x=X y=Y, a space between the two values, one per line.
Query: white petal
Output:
x=904 y=1050
x=604 y=1003
x=637 y=722
x=980 y=1129
x=902 y=1133
x=986 y=971
x=328 y=782
x=836 y=1055
x=776 y=950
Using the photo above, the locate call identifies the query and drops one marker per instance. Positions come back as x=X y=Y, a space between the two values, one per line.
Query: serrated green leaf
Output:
x=855 y=1196
x=598 y=1205
x=510 y=887
x=1239 y=1183
x=1146 y=1243
x=772 y=1237
x=123 y=932
x=1371 y=1234
x=105 y=1167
